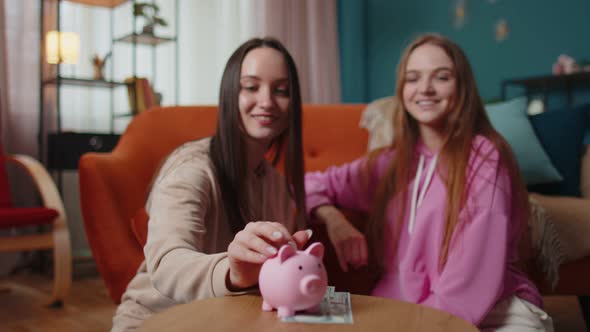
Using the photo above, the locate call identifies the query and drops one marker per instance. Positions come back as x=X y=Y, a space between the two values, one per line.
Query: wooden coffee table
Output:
x=244 y=313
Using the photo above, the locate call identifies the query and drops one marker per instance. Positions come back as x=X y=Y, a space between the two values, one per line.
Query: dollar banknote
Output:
x=335 y=308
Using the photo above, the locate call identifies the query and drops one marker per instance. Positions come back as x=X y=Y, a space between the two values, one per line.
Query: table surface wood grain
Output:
x=244 y=313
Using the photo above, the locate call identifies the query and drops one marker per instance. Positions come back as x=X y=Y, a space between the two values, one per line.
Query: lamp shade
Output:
x=62 y=47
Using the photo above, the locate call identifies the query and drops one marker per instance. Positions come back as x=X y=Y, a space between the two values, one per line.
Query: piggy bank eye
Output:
x=300 y=267
x=319 y=265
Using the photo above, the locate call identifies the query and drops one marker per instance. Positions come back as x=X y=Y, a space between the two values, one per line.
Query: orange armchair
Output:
x=114 y=186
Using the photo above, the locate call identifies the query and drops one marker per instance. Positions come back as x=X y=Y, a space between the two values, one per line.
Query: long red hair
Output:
x=466 y=120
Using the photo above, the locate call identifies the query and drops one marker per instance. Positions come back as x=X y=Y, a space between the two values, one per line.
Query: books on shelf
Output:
x=141 y=95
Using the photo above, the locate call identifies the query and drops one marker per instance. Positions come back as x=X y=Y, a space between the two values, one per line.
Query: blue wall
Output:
x=373 y=33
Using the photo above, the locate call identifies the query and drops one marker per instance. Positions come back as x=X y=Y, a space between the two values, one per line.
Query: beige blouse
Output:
x=188 y=232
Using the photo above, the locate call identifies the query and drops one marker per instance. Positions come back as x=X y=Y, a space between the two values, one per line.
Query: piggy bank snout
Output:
x=312 y=285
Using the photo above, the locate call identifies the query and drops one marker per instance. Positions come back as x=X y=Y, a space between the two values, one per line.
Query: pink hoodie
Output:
x=480 y=268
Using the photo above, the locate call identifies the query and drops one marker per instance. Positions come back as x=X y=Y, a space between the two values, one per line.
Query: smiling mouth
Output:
x=264 y=117
x=426 y=102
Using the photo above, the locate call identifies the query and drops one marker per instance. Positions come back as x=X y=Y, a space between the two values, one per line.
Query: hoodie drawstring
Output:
x=417 y=198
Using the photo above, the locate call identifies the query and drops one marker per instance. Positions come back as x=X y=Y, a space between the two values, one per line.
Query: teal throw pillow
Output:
x=509 y=118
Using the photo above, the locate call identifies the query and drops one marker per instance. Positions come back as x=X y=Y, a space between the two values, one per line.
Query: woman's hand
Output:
x=253 y=245
x=349 y=243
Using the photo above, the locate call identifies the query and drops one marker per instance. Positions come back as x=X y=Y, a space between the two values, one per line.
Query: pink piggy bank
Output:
x=293 y=280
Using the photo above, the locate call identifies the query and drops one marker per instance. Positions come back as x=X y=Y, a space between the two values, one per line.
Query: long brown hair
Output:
x=228 y=147
x=464 y=122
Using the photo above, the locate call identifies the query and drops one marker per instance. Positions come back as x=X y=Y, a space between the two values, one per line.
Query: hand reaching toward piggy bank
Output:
x=293 y=280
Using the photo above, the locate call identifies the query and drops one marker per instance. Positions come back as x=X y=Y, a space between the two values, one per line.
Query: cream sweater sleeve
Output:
x=179 y=205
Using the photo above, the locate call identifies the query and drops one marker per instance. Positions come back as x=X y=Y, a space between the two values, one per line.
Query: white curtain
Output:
x=209 y=33
x=309 y=30
x=19 y=76
x=3 y=78
x=211 y=30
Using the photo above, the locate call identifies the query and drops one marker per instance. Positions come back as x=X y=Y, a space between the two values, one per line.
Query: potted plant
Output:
x=149 y=12
x=98 y=65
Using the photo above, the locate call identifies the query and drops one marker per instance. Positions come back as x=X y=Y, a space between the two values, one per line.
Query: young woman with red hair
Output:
x=446 y=202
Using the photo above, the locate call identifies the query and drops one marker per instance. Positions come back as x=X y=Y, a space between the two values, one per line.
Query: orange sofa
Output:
x=113 y=188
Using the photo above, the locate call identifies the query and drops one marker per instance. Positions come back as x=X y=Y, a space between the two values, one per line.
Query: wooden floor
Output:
x=88 y=307
x=22 y=307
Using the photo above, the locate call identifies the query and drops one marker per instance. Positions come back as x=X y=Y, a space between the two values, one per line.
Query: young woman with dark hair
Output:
x=217 y=207
x=446 y=202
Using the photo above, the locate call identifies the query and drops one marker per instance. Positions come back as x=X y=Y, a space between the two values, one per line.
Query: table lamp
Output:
x=62 y=47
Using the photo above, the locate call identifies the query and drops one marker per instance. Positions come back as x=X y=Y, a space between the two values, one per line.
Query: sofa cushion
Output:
x=377 y=119
x=561 y=133
x=509 y=118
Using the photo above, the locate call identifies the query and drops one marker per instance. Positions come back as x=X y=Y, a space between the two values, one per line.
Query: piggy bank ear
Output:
x=316 y=249
x=285 y=252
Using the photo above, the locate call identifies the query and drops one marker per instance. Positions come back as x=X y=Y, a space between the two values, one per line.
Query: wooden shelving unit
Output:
x=57 y=80
x=75 y=81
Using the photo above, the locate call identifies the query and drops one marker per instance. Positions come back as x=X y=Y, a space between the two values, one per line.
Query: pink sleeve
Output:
x=473 y=277
x=346 y=186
